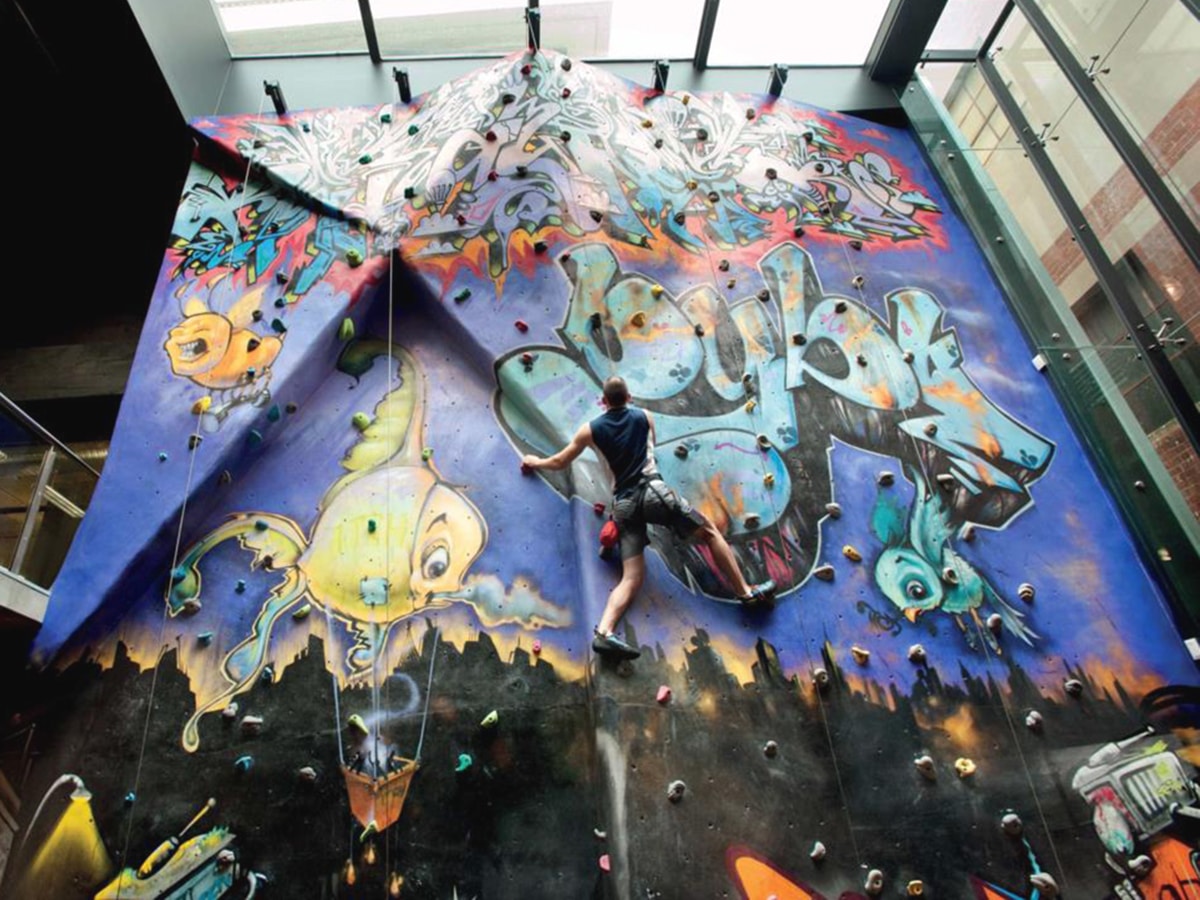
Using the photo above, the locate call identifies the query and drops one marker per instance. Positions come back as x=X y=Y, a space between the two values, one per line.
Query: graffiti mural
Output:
x=319 y=636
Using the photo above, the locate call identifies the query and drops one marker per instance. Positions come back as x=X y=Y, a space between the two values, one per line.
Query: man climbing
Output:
x=624 y=437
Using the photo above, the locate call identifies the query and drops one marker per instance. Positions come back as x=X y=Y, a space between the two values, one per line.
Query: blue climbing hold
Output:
x=178 y=574
x=464 y=762
x=273 y=414
x=162 y=456
x=244 y=763
x=205 y=638
x=129 y=798
x=240 y=587
x=255 y=437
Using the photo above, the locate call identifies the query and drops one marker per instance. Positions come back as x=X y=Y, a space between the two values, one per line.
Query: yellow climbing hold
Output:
x=750 y=404
x=851 y=553
x=638 y=319
x=490 y=720
x=202 y=405
x=656 y=291
x=861 y=656
x=964 y=767
x=769 y=480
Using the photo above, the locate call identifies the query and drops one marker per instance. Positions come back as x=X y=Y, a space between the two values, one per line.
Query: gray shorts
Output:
x=653 y=504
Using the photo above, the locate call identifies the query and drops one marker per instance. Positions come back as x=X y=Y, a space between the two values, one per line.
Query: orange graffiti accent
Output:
x=985 y=891
x=986 y=441
x=971 y=401
x=757 y=879
x=1173 y=875
x=880 y=395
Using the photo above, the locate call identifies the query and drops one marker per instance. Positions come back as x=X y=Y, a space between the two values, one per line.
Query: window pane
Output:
x=1147 y=69
x=761 y=32
x=258 y=27
x=1151 y=263
x=964 y=24
x=622 y=29
x=420 y=28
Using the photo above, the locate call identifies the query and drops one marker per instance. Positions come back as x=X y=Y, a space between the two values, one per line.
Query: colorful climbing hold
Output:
x=823 y=572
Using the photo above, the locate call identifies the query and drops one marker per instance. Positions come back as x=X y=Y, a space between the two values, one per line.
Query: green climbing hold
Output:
x=356 y=723
x=361 y=421
x=278 y=326
x=302 y=612
x=413 y=129
x=273 y=413
x=464 y=294
x=346 y=330
x=409 y=193
x=354 y=258
x=371 y=526
x=255 y=437
x=427 y=454
x=464 y=762
x=490 y=720
x=261 y=525
x=364 y=159
x=385 y=118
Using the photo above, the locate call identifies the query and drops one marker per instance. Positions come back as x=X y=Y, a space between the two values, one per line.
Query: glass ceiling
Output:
x=746 y=33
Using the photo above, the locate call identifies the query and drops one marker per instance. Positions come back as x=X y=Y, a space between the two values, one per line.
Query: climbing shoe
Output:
x=760 y=594
x=612 y=646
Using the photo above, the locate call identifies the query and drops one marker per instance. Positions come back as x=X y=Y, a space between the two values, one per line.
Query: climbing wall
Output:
x=319 y=636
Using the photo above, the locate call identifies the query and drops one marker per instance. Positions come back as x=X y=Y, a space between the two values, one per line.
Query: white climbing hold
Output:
x=874 y=883
x=818 y=852
x=1045 y=883
x=1011 y=824
x=675 y=791
x=1034 y=721
x=916 y=654
x=926 y=767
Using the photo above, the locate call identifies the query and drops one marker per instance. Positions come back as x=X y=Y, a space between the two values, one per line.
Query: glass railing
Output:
x=45 y=488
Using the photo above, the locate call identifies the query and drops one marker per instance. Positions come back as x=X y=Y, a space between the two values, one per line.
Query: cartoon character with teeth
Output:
x=223 y=354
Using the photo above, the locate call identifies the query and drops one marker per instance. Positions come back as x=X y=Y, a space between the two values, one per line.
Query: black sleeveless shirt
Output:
x=622 y=436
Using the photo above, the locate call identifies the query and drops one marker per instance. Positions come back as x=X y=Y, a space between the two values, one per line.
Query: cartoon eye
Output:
x=434 y=562
x=916 y=590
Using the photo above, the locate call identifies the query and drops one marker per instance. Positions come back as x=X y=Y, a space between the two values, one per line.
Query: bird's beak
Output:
x=911 y=614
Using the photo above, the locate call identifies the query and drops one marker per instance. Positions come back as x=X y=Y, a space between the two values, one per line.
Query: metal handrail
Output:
x=32 y=425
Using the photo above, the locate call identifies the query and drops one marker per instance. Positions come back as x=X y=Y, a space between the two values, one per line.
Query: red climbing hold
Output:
x=526 y=469
x=605 y=863
x=522 y=325
x=598 y=508
x=566 y=92
x=537 y=648
x=609 y=535
x=493 y=175
x=461 y=219
x=527 y=359
x=490 y=136
x=664 y=695
x=526 y=69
